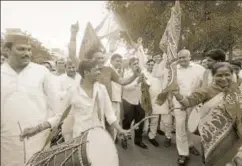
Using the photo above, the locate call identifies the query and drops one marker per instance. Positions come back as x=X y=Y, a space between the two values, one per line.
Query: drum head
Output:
x=193 y=121
x=101 y=149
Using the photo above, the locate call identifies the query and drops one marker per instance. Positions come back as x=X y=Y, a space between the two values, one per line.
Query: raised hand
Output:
x=75 y=28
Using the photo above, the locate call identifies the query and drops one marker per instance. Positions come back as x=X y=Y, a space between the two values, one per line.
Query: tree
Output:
x=205 y=24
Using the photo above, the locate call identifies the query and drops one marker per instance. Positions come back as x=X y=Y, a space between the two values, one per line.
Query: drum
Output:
x=193 y=120
x=94 y=147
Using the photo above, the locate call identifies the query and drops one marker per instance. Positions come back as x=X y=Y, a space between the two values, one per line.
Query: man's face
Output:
x=210 y=62
x=117 y=62
x=60 y=65
x=184 y=59
x=99 y=58
x=135 y=65
x=150 y=66
x=236 y=69
x=158 y=58
x=21 y=54
x=204 y=63
x=94 y=73
x=70 y=69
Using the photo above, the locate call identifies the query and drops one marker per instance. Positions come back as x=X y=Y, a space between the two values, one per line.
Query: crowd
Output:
x=34 y=98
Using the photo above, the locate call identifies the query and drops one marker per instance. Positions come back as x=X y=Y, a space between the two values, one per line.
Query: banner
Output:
x=169 y=44
x=90 y=41
x=170 y=39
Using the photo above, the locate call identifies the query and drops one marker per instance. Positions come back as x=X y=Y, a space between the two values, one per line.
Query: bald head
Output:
x=184 y=57
x=184 y=52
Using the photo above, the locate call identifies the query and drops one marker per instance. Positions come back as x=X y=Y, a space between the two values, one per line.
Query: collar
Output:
x=6 y=68
x=189 y=66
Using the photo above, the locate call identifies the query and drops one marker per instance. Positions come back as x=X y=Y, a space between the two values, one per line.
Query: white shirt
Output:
x=116 y=89
x=190 y=78
x=132 y=91
x=24 y=99
x=240 y=74
x=66 y=83
x=156 y=87
x=85 y=109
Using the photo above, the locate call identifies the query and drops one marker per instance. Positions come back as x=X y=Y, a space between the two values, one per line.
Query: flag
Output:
x=170 y=39
x=169 y=44
x=90 y=41
x=100 y=26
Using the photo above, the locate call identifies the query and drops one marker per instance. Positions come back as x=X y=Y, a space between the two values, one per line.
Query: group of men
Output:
x=33 y=99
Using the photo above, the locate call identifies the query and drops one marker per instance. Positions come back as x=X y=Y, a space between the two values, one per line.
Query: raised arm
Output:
x=127 y=80
x=72 y=45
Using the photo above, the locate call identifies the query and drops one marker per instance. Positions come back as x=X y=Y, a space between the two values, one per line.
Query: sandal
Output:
x=182 y=160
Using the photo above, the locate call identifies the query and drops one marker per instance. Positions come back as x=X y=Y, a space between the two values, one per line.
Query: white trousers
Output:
x=165 y=125
x=183 y=136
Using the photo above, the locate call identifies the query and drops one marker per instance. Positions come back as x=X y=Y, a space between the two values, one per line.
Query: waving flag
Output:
x=89 y=41
x=170 y=39
x=169 y=44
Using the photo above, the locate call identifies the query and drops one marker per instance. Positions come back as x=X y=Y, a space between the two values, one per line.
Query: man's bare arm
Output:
x=72 y=45
x=126 y=81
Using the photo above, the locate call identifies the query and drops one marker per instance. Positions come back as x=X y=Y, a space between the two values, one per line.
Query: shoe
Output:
x=141 y=144
x=167 y=142
x=194 y=151
x=154 y=142
x=182 y=160
x=124 y=144
x=160 y=132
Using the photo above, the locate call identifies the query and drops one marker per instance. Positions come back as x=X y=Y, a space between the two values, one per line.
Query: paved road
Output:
x=154 y=156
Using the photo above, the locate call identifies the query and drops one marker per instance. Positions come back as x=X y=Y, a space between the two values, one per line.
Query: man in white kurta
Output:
x=156 y=87
x=24 y=96
x=68 y=80
x=189 y=78
x=116 y=62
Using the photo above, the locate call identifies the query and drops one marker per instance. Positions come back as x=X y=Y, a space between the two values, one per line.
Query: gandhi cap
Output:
x=17 y=38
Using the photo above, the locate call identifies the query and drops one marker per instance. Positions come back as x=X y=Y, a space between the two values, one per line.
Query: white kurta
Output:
x=132 y=92
x=156 y=87
x=66 y=83
x=85 y=109
x=24 y=99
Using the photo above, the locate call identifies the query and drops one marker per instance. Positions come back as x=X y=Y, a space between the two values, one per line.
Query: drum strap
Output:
x=54 y=130
x=210 y=104
x=99 y=114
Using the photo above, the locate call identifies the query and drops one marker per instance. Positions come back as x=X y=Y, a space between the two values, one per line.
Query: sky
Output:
x=50 y=21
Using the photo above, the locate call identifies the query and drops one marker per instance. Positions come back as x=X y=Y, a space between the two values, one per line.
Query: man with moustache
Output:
x=26 y=90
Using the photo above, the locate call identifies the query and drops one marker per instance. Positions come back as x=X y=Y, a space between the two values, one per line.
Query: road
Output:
x=154 y=156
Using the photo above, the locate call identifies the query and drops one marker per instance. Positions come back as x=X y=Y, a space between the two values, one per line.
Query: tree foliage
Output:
x=205 y=24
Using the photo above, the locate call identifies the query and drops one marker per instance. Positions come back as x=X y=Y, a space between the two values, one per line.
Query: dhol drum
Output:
x=193 y=120
x=94 y=147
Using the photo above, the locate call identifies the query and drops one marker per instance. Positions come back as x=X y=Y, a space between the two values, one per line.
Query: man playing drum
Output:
x=90 y=105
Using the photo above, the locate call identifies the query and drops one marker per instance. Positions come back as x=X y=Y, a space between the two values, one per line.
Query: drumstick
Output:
x=23 y=142
x=137 y=124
